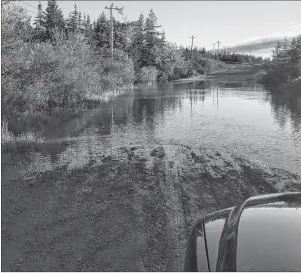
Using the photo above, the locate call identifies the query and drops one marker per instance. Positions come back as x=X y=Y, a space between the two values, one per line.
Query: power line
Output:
x=31 y=12
x=27 y=4
x=23 y=7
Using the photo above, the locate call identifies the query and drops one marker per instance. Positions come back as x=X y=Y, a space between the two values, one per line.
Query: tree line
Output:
x=58 y=62
x=141 y=40
x=223 y=55
x=285 y=65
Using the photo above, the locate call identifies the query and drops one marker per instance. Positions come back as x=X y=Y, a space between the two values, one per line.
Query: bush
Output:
x=147 y=74
x=278 y=75
x=41 y=76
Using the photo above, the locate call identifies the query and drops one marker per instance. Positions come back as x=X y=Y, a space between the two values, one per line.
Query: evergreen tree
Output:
x=73 y=22
x=68 y=22
x=88 y=26
x=139 y=51
x=53 y=19
x=163 y=38
x=139 y=31
x=152 y=36
x=102 y=31
x=79 y=21
x=294 y=53
x=124 y=36
x=38 y=22
x=85 y=21
x=88 y=21
x=295 y=50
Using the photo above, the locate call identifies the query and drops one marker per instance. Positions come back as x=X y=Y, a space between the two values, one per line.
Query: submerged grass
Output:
x=12 y=143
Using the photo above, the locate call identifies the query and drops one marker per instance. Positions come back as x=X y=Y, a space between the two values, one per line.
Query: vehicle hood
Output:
x=263 y=234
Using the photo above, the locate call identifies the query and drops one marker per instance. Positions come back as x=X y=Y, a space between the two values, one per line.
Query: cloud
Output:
x=265 y=44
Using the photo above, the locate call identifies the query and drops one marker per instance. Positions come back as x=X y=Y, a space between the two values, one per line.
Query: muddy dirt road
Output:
x=131 y=210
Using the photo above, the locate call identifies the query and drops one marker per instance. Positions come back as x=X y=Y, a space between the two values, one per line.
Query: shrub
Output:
x=147 y=74
x=40 y=76
x=278 y=75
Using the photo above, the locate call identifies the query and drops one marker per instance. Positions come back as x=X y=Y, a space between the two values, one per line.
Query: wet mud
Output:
x=131 y=210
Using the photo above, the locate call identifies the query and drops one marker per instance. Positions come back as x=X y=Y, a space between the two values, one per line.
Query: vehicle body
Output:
x=262 y=234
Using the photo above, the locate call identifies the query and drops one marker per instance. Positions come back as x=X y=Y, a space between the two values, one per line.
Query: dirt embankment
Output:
x=129 y=211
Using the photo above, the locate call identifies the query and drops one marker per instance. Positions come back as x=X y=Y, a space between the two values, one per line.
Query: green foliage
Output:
x=15 y=28
x=53 y=19
x=41 y=76
x=63 y=62
x=286 y=63
x=147 y=74
x=169 y=62
x=223 y=55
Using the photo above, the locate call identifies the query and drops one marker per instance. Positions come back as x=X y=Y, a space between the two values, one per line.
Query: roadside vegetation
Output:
x=285 y=66
x=57 y=64
x=11 y=143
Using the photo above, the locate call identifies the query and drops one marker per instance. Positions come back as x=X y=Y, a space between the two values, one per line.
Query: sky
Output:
x=233 y=23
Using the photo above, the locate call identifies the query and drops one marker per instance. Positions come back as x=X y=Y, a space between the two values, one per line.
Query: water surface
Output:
x=239 y=117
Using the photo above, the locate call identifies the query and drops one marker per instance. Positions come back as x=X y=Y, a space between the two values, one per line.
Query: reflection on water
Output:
x=287 y=110
x=239 y=117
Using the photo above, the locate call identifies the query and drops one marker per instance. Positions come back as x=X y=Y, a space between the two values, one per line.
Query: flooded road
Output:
x=120 y=188
x=237 y=117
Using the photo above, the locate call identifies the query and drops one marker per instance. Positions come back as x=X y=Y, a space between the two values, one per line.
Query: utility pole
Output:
x=192 y=37
x=112 y=27
x=218 y=42
x=213 y=50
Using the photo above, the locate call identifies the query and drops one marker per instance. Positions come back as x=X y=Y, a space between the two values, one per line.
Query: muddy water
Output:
x=238 y=117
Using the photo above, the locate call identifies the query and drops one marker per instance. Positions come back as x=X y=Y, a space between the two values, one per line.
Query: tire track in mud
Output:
x=200 y=198
x=131 y=211
x=177 y=229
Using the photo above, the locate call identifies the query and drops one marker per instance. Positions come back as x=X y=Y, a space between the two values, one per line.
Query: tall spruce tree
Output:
x=79 y=21
x=102 y=31
x=53 y=19
x=152 y=36
x=38 y=21
x=139 y=50
x=73 y=22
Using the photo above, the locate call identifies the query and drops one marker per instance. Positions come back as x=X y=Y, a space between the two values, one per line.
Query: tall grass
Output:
x=12 y=143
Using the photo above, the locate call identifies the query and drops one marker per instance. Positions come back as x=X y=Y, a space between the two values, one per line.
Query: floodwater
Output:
x=239 y=117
